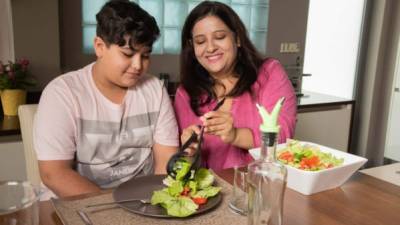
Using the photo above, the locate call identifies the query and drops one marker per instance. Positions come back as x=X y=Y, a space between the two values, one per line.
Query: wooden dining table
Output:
x=362 y=200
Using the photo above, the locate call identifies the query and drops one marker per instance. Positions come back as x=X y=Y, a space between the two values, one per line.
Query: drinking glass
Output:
x=19 y=203
x=239 y=201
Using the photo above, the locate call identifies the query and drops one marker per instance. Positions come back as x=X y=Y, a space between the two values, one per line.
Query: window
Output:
x=170 y=16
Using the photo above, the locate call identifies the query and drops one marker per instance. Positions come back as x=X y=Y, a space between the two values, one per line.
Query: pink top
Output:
x=272 y=83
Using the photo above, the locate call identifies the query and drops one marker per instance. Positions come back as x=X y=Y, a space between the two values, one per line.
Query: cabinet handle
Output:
x=397 y=89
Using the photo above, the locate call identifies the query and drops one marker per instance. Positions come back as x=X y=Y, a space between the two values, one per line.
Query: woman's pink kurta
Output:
x=272 y=83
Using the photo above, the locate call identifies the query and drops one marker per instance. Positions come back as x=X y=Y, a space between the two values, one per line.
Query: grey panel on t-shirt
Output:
x=109 y=153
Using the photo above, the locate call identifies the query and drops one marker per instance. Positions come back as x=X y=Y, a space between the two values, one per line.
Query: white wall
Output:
x=6 y=32
x=332 y=45
x=12 y=161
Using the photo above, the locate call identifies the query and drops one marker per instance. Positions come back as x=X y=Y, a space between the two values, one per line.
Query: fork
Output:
x=142 y=200
x=85 y=218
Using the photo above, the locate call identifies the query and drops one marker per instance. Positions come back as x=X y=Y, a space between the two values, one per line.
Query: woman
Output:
x=218 y=61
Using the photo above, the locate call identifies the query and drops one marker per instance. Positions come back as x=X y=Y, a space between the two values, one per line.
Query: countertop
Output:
x=9 y=125
x=313 y=99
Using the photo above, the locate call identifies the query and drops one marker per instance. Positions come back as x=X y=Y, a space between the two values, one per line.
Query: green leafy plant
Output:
x=15 y=75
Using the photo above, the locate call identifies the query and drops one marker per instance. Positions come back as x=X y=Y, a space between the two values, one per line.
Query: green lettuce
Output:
x=182 y=207
x=182 y=167
x=207 y=192
x=175 y=206
x=193 y=187
x=204 y=178
x=176 y=188
x=162 y=197
x=177 y=197
x=168 y=181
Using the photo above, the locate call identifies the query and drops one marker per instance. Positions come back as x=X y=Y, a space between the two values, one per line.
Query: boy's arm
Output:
x=162 y=154
x=59 y=177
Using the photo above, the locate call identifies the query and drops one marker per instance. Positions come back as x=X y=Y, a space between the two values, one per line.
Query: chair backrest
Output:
x=26 y=114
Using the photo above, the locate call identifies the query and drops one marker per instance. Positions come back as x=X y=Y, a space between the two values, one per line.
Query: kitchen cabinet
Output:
x=12 y=159
x=324 y=119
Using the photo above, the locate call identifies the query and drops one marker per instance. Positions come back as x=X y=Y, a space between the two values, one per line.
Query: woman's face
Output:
x=215 y=46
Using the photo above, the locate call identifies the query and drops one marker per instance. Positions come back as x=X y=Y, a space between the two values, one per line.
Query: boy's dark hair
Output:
x=194 y=78
x=120 y=18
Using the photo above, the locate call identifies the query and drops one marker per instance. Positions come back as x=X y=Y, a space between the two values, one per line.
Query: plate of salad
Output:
x=181 y=196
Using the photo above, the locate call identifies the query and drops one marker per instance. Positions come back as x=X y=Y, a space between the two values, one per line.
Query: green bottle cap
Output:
x=270 y=120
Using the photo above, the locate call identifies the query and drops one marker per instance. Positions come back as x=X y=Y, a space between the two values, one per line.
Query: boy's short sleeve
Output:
x=166 y=132
x=54 y=124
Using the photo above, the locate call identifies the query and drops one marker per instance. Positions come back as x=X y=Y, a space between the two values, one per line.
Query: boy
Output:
x=109 y=120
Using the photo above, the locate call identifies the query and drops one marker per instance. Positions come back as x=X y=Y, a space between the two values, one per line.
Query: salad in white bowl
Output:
x=307 y=156
x=312 y=167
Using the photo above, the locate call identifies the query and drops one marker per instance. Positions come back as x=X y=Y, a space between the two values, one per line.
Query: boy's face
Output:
x=121 y=65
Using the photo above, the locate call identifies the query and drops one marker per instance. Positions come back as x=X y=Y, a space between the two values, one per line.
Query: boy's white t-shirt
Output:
x=110 y=143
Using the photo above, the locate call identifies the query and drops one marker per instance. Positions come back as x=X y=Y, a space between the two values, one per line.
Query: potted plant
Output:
x=14 y=80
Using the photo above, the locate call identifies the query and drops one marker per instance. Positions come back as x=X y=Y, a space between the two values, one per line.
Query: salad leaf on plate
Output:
x=176 y=188
x=204 y=178
x=161 y=197
x=183 y=195
x=176 y=206
x=207 y=192
x=182 y=207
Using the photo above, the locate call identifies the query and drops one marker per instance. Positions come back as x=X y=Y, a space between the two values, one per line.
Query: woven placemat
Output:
x=67 y=211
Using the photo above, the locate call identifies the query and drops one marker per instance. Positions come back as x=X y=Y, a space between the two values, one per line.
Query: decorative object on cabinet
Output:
x=14 y=80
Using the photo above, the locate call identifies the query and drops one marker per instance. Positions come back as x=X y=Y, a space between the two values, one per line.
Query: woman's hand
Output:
x=220 y=124
x=186 y=133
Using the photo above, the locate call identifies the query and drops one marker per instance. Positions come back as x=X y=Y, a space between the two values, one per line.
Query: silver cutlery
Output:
x=142 y=200
x=85 y=218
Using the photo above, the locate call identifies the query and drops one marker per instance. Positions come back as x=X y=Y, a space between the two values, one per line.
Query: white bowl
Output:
x=310 y=182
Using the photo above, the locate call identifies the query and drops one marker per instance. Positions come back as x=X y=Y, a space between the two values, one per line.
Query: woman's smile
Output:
x=214 y=58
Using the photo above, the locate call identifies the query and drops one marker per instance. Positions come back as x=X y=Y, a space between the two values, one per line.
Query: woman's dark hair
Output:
x=118 y=18
x=194 y=78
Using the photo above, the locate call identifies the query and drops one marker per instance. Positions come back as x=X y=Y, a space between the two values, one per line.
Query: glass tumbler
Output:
x=19 y=203
x=239 y=200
